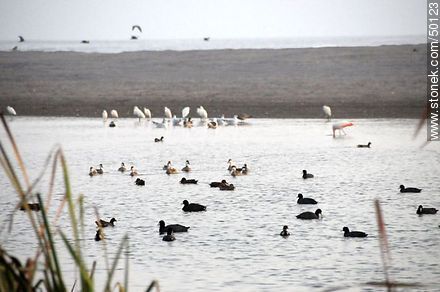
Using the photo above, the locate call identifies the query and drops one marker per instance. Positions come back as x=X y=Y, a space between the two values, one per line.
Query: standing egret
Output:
x=168 y=113
x=147 y=113
x=104 y=115
x=202 y=113
x=11 y=111
x=138 y=113
x=327 y=112
x=185 y=112
x=114 y=114
x=340 y=126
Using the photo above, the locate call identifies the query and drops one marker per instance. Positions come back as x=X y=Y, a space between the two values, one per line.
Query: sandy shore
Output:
x=362 y=82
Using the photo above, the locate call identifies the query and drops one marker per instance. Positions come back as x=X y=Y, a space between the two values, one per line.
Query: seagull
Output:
x=136 y=26
x=185 y=112
x=231 y=122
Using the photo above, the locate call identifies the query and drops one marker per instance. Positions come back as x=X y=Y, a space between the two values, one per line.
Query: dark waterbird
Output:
x=409 y=190
x=216 y=184
x=100 y=170
x=175 y=227
x=306 y=175
x=206 y=39
x=21 y=39
x=139 y=182
x=193 y=207
x=122 y=168
x=169 y=236
x=188 y=181
x=99 y=236
x=134 y=37
x=302 y=200
x=348 y=233
x=112 y=124
x=85 y=42
x=158 y=139
x=32 y=206
x=103 y=223
x=227 y=187
x=364 y=146
x=310 y=215
x=285 y=233
x=421 y=210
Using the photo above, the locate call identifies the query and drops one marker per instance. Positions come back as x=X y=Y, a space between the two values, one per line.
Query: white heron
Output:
x=114 y=114
x=138 y=113
x=340 y=126
x=168 y=113
x=11 y=111
x=185 y=112
x=327 y=112
x=202 y=113
x=104 y=115
x=147 y=113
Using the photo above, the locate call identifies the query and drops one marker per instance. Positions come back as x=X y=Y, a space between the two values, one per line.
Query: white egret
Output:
x=138 y=113
x=168 y=113
x=147 y=113
x=104 y=115
x=114 y=114
x=327 y=112
x=11 y=111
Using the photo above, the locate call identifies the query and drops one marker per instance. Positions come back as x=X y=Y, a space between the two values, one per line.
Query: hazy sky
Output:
x=112 y=19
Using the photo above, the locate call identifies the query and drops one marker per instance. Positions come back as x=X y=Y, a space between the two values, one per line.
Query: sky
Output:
x=181 y=19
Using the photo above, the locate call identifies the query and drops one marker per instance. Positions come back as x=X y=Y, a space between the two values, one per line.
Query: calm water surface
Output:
x=234 y=245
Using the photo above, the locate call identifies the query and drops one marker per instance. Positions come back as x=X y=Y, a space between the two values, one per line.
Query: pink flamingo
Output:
x=340 y=126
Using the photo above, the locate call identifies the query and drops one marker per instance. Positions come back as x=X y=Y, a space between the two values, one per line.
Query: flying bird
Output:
x=21 y=38
x=136 y=26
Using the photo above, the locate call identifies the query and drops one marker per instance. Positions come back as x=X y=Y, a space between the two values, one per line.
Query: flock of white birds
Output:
x=186 y=121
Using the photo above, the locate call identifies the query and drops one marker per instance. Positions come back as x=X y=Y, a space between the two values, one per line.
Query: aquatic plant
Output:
x=43 y=271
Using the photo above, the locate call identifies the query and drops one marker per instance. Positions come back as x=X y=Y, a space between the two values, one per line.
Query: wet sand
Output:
x=360 y=82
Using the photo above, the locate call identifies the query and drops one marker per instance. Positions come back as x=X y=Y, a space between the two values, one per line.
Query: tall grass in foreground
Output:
x=43 y=271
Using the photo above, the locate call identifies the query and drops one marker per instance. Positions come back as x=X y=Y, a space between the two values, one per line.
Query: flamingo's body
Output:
x=327 y=112
x=114 y=114
x=340 y=126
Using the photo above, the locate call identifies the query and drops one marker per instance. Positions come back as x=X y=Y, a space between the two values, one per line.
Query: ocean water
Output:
x=118 y=46
x=235 y=245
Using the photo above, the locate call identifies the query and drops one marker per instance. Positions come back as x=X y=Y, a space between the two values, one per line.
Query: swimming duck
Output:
x=169 y=236
x=32 y=207
x=193 y=207
x=139 y=182
x=307 y=175
x=174 y=227
x=302 y=200
x=409 y=190
x=227 y=187
x=100 y=170
x=310 y=215
x=244 y=169
x=133 y=171
x=186 y=168
x=158 y=140
x=285 y=233
x=103 y=223
x=348 y=233
x=171 y=170
x=92 y=171
x=99 y=236
x=364 y=146
x=112 y=124
x=188 y=123
x=122 y=168
x=216 y=184
x=188 y=181
x=235 y=171
x=165 y=167
x=421 y=210
x=230 y=164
